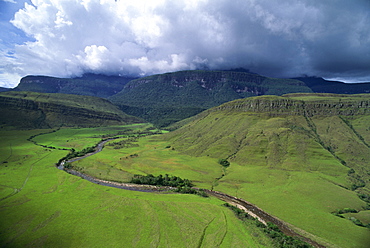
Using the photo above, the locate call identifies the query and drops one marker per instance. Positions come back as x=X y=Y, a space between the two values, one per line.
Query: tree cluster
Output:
x=75 y=154
x=166 y=180
x=224 y=162
x=183 y=186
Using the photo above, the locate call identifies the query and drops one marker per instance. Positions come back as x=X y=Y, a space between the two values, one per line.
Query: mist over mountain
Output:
x=140 y=38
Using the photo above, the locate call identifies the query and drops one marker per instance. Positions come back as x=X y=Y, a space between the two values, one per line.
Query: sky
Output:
x=276 y=38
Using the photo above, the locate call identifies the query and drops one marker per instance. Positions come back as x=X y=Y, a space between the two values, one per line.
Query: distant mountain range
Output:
x=320 y=85
x=2 y=89
x=166 y=98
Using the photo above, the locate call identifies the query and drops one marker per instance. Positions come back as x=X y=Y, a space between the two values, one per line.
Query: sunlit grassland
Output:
x=287 y=166
x=79 y=138
x=56 y=209
x=150 y=156
x=303 y=199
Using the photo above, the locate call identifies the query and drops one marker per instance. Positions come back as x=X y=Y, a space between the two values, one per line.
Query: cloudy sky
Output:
x=279 y=38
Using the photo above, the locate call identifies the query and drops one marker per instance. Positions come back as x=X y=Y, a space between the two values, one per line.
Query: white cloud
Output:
x=140 y=37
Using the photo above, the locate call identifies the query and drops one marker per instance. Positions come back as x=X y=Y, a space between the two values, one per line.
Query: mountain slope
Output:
x=299 y=157
x=89 y=85
x=43 y=110
x=164 y=98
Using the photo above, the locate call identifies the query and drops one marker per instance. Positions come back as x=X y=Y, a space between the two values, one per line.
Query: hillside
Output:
x=166 y=98
x=89 y=85
x=300 y=157
x=320 y=85
x=43 y=110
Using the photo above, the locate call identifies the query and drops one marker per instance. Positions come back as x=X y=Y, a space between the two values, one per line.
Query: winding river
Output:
x=242 y=204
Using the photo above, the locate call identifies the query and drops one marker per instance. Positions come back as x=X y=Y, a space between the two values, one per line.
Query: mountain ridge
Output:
x=189 y=92
x=89 y=84
x=49 y=110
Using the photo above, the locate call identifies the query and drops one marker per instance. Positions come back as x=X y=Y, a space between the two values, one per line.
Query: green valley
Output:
x=42 y=206
x=302 y=158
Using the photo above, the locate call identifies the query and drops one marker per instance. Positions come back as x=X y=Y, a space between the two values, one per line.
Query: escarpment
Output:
x=302 y=104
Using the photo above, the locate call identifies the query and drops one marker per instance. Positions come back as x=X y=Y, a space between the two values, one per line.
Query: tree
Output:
x=224 y=162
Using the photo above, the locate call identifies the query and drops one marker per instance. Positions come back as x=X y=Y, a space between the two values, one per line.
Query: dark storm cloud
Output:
x=275 y=38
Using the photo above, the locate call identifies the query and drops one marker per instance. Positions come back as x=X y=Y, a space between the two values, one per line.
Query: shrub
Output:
x=224 y=162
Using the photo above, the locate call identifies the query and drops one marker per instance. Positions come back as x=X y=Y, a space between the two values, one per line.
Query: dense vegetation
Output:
x=89 y=85
x=183 y=186
x=43 y=110
x=172 y=181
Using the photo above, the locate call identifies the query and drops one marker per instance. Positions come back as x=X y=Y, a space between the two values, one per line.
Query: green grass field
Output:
x=304 y=198
x=42 y=206
x=299 y=168
x=292 y=166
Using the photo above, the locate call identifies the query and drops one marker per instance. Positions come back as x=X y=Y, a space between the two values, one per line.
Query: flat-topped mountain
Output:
x=43 y=110
x=89 y=85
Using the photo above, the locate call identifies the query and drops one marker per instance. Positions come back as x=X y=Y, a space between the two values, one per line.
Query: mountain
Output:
x=165 y=98
x=301 y=157
x=89 y=85
x=2 y=89
x=45 y=110
x=320 y=85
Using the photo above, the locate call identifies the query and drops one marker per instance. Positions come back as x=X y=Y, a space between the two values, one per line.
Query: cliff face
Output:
x=207 y=80
x=89 y=85
x=239 y=82
x=34 y=110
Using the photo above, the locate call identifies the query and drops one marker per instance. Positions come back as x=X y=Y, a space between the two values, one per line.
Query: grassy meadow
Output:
x=41 y=206
x=300 y=168
x=296 y=168
x=306 y=185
